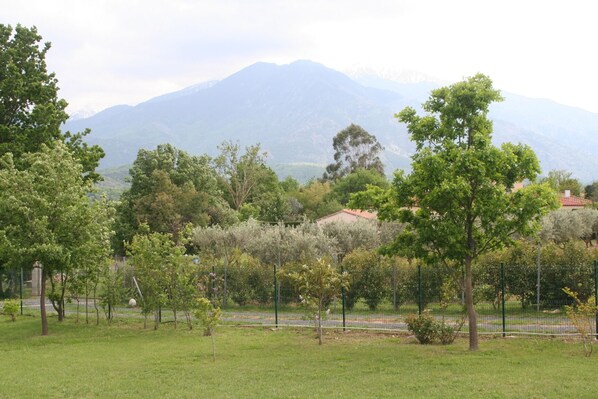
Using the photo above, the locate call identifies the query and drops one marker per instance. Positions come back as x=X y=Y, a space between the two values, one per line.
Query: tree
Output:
x=561 y=180
x=47 y=217
x=30 y=111
x=243 y=177
x=458 y=201
x=564 y=225
x=317 y=200
x=355 y=182
x=354 y=148
x=169 y=189
x=367 y=277
x=319 y=283
x=209 y=317
x=591 y=191
x=163 y=273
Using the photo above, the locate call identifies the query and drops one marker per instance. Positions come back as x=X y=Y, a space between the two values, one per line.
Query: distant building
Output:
x=573 y=202
x=347 y=215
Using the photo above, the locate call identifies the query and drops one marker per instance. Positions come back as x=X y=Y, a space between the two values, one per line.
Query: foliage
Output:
x=249 y=281
x=357 y=181
x=11 y=308
x=569 y=265
x=209 y=317
x=30 y=111
x=583 y=314
x=458 y=202
x=207 y=314
x=318 y=283
x=47 y=217
x=561 y=180
x=162 y=271
x=169 y=189
x=428 y=330
x=564 y=225
x=367 y=276
x=354 y=148
x=424 y=327
x=591 y=191
x=114 y=291
x=317 y=200
x=347 y=237
x=243 y=177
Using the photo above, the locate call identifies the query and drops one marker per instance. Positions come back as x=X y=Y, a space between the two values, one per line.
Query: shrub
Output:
x=447 y=332
x=428 y=330
x=423 y=326
x=11 y=308
x=207 y=314
x=582 y=315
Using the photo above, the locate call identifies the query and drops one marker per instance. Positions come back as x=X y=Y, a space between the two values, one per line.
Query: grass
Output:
x=125 y=361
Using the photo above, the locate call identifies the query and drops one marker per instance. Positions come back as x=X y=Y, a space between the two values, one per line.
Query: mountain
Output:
x=295 y=110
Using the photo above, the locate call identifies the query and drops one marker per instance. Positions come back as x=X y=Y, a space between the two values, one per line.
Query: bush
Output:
x=368 y=278
x=428 y=330
x=11 y=308
x=423 y=326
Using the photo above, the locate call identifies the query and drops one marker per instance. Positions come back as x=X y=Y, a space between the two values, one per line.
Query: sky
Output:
x=109 y=52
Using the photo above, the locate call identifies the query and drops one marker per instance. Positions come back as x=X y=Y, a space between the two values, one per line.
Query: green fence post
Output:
x=596 y=291
x=502 y=287
x=21 y=292
x=275 y=298
x=213 y=284
x=343 y=299
x=419 y=290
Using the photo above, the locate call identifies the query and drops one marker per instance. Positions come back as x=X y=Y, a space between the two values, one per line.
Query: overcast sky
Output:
x=126 y=51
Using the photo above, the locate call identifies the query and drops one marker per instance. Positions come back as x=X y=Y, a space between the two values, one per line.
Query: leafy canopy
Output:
x=458 y=202
x=354 y=148
x=30 y=111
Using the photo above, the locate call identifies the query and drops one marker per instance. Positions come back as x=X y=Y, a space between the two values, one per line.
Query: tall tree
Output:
x=169 y=188
x=354 y=148
x=458 y=201
x=47 y=217
x=245 y=176
x=30 y=111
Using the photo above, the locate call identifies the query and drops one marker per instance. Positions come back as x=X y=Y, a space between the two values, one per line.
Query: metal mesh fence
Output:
x=508 y=298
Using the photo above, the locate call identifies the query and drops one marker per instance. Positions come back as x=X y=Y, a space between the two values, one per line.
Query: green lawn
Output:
x=125 y=361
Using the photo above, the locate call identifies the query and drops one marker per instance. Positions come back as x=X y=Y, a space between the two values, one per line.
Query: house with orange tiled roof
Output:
x=573 y=202
x=347 y=215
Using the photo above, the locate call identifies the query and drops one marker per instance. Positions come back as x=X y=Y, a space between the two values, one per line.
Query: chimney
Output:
x=567 y=193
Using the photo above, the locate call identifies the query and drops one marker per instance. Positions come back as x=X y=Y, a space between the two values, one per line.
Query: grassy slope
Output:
x=125 y=361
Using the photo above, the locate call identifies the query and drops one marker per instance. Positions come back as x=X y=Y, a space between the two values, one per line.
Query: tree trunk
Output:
x=86 y=303
x=61 y=301
x=471 y=313
x=95 y=305
x=320 y=304
x=213 y=348
x=42 y=303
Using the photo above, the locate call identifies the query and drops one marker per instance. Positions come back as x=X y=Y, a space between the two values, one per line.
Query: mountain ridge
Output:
x=294 y=111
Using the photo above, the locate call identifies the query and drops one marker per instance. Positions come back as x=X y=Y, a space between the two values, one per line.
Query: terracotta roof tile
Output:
x=574 y=201
x=363 y=214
